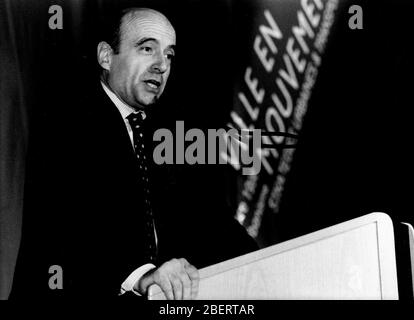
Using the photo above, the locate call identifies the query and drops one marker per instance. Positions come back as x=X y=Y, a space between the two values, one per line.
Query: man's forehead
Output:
x=143 y=24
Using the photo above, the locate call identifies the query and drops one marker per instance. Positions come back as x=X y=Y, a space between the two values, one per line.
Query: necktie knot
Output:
x=136 y=120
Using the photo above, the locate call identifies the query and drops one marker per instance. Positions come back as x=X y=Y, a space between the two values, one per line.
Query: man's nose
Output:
x=160 y=64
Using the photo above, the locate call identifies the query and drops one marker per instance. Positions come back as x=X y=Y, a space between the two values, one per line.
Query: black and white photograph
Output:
x=228 y=151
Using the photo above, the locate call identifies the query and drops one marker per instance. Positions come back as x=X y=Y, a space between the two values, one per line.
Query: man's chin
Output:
x=145 y=105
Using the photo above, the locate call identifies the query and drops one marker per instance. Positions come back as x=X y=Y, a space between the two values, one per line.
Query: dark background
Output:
x=353 y=155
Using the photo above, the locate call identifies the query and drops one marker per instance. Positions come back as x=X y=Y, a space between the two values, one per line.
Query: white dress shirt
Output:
x=125 y=111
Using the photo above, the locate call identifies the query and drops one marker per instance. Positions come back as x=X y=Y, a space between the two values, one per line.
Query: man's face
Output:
x=139 y=72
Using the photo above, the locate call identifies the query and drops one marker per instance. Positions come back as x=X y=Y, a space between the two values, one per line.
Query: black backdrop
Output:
x=353 y=155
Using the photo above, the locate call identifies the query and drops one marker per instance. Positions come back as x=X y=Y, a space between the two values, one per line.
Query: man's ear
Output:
x=104 y=55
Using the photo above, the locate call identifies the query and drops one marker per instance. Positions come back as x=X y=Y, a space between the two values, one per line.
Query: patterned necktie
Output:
x=136 y=122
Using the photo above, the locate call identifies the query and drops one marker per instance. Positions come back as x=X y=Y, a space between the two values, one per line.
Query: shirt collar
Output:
x=122 y=107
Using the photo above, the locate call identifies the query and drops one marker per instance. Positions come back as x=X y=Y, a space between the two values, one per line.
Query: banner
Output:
x=285 y=50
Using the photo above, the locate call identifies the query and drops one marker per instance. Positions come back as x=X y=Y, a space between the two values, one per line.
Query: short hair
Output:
x=112 y=27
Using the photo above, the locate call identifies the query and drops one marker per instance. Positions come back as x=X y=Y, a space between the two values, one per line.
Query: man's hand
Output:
x=177 y=279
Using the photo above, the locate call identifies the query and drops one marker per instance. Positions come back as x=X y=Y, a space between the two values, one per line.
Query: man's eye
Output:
x=146 y=49
x=170 y=56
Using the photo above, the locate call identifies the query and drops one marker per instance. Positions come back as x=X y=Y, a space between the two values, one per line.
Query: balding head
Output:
x=147 y=20
x=115 y=28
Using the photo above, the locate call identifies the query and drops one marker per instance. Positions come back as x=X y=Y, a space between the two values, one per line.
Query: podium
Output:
x=351 y=260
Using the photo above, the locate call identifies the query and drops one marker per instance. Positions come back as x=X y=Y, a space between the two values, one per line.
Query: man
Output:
x=102 y=223
x=137 y=73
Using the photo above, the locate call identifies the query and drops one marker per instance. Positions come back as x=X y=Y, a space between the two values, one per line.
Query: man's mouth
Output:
x=154 y=84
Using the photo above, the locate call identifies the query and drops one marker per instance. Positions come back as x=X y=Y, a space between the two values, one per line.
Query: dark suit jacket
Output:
x=84 y=207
